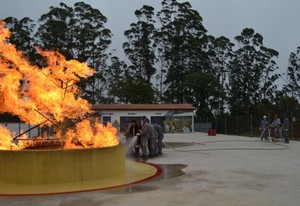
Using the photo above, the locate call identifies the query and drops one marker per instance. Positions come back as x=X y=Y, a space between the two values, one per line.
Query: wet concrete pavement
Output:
x=201 y=170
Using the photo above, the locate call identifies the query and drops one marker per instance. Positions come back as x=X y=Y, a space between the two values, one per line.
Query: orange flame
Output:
x=49 y=95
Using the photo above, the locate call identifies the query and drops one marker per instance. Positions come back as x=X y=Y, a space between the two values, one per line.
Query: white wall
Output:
x=117 y=114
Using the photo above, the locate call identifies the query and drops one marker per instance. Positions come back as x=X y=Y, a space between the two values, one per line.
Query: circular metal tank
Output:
x=52 y=166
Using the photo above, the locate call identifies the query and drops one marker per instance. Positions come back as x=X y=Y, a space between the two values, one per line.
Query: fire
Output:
x=86 y=134
x=48 y=96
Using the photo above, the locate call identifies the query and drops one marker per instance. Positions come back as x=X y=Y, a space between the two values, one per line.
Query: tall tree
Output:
x=250 y=72
x=181 y=38
x=22 y=36
x=220 y=52
x=92 y=41
x=140 y=51
x=126 y=88
x=79 y=33
x=293 y=73
x=54 y=32
x=204 y=91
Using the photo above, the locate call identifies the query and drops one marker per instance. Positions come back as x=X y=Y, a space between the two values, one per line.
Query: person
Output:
x=131 y=143
x=160 y=136
x=276 y=125
x=264 y=125
x=145 y=135
x=285 y=128
x=133 y=129
x=152 y=146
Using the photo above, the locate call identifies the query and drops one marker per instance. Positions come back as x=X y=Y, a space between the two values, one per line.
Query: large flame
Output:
x=48 y=96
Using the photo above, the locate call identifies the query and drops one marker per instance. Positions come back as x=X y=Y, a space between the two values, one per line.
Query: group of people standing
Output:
x=280 y=129
x=149 y=138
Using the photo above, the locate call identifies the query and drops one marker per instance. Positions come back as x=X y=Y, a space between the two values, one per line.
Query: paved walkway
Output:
x=201 y=170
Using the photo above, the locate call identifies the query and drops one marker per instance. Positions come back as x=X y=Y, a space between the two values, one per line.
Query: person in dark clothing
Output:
x=285 y=128
x=152 y=142
x=160 y=137
x=131 y=142
x=276 y=125
x=145 y=135
x=264 y=128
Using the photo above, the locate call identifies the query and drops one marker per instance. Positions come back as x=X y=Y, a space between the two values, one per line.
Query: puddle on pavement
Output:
x=168 y=171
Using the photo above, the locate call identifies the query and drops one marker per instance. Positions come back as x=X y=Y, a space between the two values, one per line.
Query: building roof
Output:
x=143 y=107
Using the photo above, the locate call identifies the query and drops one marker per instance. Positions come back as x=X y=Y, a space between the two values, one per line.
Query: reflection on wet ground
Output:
x=168 y=171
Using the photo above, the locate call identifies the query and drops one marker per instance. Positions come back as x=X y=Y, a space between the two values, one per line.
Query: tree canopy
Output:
x=169 y=57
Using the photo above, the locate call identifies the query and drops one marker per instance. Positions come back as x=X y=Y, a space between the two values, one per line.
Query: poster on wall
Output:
x=179 y=124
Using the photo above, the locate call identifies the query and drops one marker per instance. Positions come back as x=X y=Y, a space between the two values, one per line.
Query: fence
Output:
x=18 y=128
x=246 y=125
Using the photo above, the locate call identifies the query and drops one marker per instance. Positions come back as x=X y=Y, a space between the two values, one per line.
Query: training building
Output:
x=174 y=118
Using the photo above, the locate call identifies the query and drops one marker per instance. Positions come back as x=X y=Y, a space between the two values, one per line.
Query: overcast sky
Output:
x=276 y=20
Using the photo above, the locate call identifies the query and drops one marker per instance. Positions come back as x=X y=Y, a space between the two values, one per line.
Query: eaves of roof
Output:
x=143 y=107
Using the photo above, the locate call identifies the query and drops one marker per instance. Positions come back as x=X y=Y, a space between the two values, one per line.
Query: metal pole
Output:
x=251 y=126
x=292 y=125
x=237 y=125
x=161 y=77
x=161 y=65
x=30 y=129
x=216 y=122
x=225 y=125
x=19 y=127
x=48 y=119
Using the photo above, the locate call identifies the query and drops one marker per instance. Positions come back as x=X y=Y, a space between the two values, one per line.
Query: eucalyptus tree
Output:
x=204 y=91
x=293 y=74
x=79 y=33
x=22 y=36
x=287 y=104
x=251 y=72
x=132 y=90
x=140 y=50
x=220 y=52
x=126 y=88
x=116 y=85
x=140 y=45
x=181 y=39
x=55 y=29
x=92 y=41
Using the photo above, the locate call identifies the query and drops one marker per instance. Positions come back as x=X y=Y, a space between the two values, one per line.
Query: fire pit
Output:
x=80 y=148
x=81 y=154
